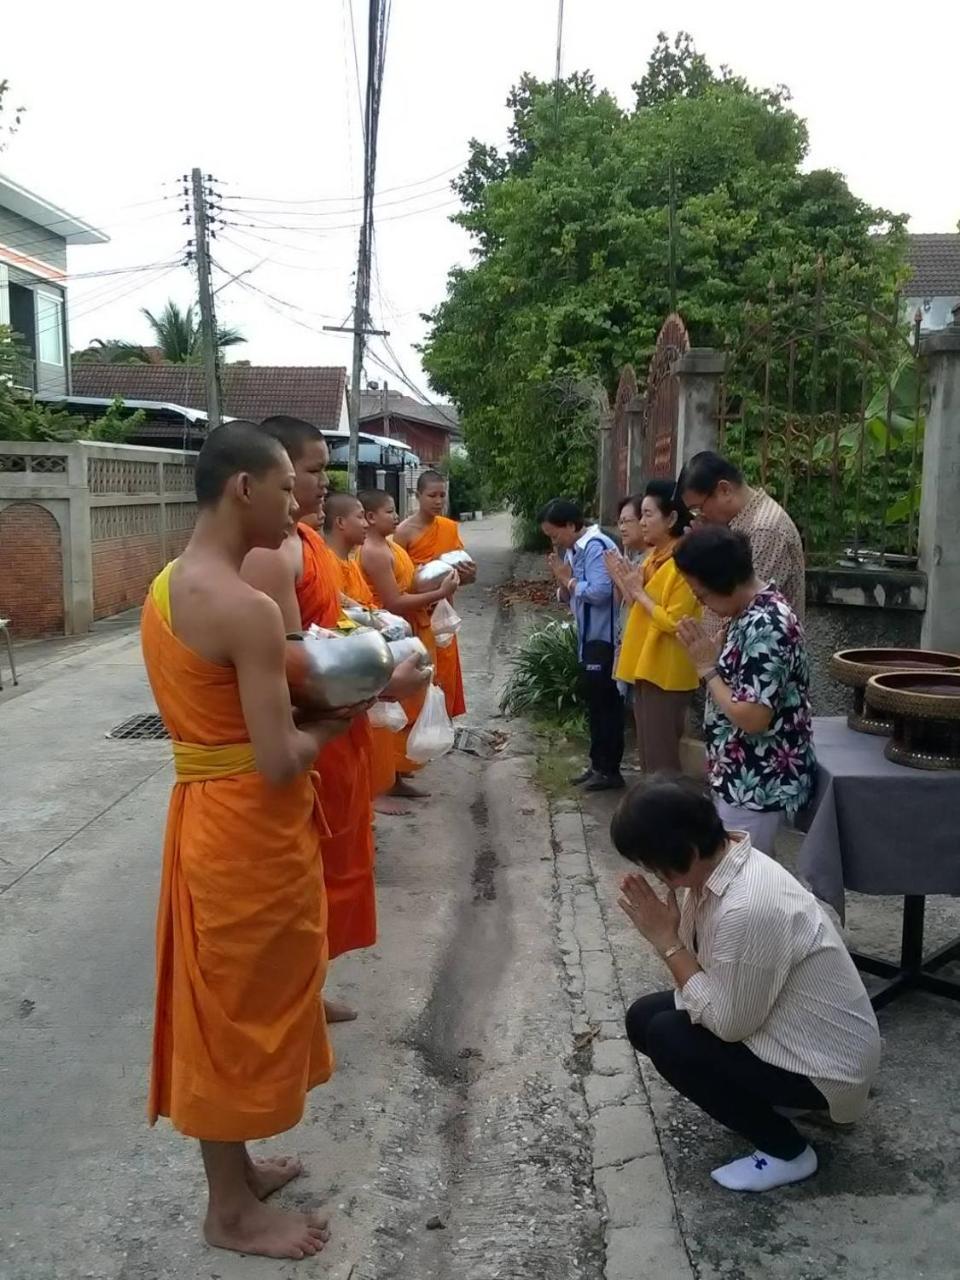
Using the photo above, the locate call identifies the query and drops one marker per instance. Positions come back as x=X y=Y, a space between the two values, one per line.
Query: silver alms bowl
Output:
x=334 y=670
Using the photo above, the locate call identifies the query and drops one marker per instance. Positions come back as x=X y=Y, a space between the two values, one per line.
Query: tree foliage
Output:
x=24 y=418
x=177 y=336
x=570 y=278
x=10 y=117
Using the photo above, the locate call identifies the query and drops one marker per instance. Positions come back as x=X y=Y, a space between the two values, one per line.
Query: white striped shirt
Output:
x=777 y=976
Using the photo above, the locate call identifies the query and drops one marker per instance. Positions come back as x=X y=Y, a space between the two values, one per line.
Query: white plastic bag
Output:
x=432 y=735
x=391 y=626
x=445 y=622
x=387 y=715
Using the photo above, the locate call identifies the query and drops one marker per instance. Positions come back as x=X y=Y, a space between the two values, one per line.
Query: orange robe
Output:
x=383 y=768
x=403 y=571
x=343 y=767
x=440 y=536
x=239 y=1032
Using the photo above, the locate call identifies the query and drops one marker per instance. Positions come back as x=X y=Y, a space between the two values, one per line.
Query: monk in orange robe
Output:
x=427 y=535
x=303 y=577
x=390 y=573
x=240 y=1035
x=345 y=531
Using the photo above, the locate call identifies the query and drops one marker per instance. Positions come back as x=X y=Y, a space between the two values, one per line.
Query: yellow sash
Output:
x=193 y=761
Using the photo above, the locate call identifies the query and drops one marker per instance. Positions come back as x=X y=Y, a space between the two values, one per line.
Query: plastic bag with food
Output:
x=432 y=735
x=387 y=715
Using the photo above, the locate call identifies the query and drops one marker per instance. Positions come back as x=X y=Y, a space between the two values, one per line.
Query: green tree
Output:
x=176 y=333
x=571 y=247
x=10 y=118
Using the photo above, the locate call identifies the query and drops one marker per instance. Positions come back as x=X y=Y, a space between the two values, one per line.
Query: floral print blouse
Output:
x=764 y=661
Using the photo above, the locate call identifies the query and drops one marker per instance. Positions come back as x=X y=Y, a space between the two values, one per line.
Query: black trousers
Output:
x=604 y=707
x=727 y=1081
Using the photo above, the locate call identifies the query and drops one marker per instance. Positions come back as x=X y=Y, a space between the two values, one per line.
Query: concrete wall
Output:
x=122 y=512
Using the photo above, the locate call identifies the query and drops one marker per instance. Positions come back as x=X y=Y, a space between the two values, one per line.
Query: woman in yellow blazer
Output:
x=652 y=659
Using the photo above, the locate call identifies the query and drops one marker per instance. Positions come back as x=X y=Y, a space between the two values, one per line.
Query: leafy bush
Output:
x=465 y=486
x=339 y=481
x=544 y=678
x=527 y=534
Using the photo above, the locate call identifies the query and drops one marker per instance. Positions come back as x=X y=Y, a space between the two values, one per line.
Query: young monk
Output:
x=345 y=531
x=427 y=535
x=239 y=1034
x=390 y=572
x=303 y=578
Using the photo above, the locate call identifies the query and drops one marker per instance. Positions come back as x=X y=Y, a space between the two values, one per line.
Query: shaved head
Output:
x=428 y=479
x=337 y=505
x=374 y=499
x=293 y=433
x=230 y=449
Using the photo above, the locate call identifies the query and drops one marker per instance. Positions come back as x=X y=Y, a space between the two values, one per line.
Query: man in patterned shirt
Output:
x=757 y=722
x=714 y=489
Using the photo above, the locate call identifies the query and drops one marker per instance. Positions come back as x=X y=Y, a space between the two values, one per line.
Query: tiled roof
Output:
x=935 y=260
x=249 y=391
x=444 y=416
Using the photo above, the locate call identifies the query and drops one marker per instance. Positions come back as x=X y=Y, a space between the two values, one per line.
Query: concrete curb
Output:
x=641 y=1229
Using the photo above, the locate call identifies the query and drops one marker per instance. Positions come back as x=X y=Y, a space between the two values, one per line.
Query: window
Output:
x=49 y=329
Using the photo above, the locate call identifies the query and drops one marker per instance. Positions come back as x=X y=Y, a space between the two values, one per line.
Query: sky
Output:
x=118 y=109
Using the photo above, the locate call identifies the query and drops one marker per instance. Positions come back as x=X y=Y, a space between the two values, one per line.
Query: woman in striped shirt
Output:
x=767 y=1012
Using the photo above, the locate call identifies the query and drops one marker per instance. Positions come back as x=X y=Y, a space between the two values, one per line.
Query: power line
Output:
x=345 y=226
x=403 y=186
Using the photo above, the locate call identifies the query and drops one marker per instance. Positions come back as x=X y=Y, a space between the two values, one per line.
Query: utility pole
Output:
x=384 y=412
x=208 y=319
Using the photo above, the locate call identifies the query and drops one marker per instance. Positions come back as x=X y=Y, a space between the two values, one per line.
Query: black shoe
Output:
x=581 y=778
x=605 y=782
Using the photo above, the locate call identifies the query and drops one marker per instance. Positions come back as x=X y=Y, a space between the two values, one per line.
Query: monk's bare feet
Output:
x=389 y=805
x=268 y=1175
x=408 y=791
x=269 y=1233
x=337 y=1011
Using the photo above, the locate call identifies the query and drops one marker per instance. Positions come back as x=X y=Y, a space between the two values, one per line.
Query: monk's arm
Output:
x=378 y=566
x=274 y=573
x=258 y=652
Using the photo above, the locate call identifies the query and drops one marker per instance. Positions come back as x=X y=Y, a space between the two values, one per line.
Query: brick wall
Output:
x=31 y=571
x=128 y=550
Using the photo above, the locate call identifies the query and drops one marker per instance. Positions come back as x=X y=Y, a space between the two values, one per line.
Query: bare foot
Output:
x=266 y=1176
x=407 y=790
x=337 y=1011
x=387 y=804
x=267 y=1232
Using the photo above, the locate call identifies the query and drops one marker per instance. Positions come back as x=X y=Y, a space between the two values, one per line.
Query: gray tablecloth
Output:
x=875 y=826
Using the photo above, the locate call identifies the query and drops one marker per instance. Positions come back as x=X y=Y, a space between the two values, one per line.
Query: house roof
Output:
x=443 y=416
x=935 y=260
x=49 y=216
x=254 y=392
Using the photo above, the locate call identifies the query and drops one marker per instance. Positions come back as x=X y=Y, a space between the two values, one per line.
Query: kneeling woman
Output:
x=651 y=657
x=767 y=1011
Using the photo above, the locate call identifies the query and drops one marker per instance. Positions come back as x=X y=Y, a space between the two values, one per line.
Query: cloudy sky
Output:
x=265 y=97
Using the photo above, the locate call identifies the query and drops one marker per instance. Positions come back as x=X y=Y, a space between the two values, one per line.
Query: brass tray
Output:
x=925 y=710
x=856 y=667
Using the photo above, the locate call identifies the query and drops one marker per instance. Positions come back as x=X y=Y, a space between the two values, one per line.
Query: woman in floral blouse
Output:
x=757 y=721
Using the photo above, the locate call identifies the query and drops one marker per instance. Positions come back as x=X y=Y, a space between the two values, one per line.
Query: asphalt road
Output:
x=455 y=1099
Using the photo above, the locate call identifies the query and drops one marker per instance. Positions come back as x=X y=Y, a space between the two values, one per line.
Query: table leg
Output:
x=911 y=935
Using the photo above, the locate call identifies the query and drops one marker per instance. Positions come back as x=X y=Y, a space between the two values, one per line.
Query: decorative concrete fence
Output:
x=84 y=527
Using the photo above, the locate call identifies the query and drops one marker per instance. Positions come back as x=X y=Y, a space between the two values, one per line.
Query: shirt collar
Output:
x=751 y=509
x=730 y=865
x=592 y=532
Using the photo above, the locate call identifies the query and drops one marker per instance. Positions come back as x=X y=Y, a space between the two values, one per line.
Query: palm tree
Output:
x=113 y=351
x=177 y=334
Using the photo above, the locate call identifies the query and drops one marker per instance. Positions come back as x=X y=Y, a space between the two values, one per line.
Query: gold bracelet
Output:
x=672 y=951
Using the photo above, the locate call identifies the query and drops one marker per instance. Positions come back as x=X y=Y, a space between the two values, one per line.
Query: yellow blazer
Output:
x=650 y=649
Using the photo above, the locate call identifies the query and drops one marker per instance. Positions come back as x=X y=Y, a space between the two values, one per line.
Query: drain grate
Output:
x=484 y=743
x=142 y=726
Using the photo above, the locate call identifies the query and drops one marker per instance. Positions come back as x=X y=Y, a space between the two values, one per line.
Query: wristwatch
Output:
x=709 y=674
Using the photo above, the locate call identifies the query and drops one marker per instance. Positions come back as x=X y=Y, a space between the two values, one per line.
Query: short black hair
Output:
x=717 y=556
x=705 y=471
x=335 y=505
x=229 y=449
x=374 y=499
x=429 y=477
x=665 y=495
x=665 y=823
x=560 y=512
x=293 y=433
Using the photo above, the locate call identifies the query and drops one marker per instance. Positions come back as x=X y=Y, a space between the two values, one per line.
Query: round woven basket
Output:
x=924 y=708
x=855 y=668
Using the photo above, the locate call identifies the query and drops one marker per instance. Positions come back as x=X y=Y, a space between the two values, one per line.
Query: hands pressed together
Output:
x=657 y=919
x=703 y=648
